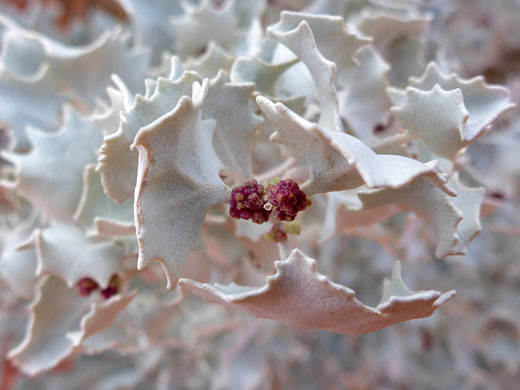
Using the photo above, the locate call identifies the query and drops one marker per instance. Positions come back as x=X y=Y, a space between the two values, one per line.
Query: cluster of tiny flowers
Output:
x=287 y=200
x=247 y=202
x=283 y=198
x=87 y=286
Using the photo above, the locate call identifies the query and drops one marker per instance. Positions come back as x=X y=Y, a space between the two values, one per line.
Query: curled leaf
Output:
x=97 y=212
x=425 y=198
x=55 y=165
x=60 y=320
x=338 y=161
x=468 y=107
x=300 y=297
x=177 y=182
x=63 y=250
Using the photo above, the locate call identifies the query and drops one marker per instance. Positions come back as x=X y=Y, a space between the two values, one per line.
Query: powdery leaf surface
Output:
x=426 y=199
x=300 y=297
x=211 y=62
x=226 y=103
x=65 y=251
x=469 y=202
x=152 y=22
x=436 y=116
x=334 y=41
x=364 y=103
x=98 y=213
x=338 y=161
x=80 y=72
x=18 y=265
x=297 y=35
x=117 y=163
x=177 y=182
x=108 y=116
x=59 y=321
x=386 y=27
x=29 y=101
x=202 y=23
x=468 y=107
x=344 y=214
x=55 y=165
x=260 y=72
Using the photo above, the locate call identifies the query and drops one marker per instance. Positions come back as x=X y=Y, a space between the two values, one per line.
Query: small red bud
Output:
x=86 y=286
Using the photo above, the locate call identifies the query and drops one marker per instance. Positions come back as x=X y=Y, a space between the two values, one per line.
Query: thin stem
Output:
x=284 y=249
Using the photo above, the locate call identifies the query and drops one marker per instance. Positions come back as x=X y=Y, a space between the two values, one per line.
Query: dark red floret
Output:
x=247 y=202
x=112 y=288
x=86 y=286
x=287 y=200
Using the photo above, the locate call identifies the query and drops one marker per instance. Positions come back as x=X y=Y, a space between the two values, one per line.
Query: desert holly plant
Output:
x=218 y=150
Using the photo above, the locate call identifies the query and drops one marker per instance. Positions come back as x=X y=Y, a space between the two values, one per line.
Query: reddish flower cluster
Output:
x=112 y=288
x=287 y=200
x=87 y=286
x=283 y=198
x=247 y=202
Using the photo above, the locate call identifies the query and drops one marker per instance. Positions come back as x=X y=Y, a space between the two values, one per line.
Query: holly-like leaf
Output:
x=344 y=214
x=98 y=213
x=29 y=101
x=117 y=163
x=300 y=40
x=18 y=262
x=152 y=22
x=55 y=166
x=227 y=103
x=211 y=62
x=177 y=182
x=364 y=103
x=336 y=41
x=262 y=73
x=81 y=72
x=426 y=199
x=338 y=161
x=59 y=321
x=108 y=116
x=300 y=297
x=65 y=251
x=438 y=117
x=477 y=102
x=469 y=202
x=202 y=23
x=386 y=27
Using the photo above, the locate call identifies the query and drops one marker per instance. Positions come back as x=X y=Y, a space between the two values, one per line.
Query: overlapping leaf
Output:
x=29 y=101
x=202 y=23
x=227 y=103
x=468 y=107
x=98 y=213
x=82 y=73
x=300 y=297
x=338 y=161
x=319 y=42
x=60 y=320
x=117 y=163
x=55 y=166
x=65 y=251
x=177 y=182
x=427 y=199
